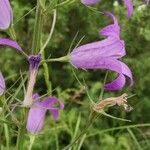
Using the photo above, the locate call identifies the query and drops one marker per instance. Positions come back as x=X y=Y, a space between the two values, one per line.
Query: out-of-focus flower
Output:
x=128 y=4
x=6 y=15
x=2 y=84
x=104 y=54
x=37 y=112
x=10 y=43
x=90 y=2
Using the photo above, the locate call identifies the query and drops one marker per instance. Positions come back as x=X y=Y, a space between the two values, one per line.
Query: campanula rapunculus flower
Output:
x=105 y=54
x=34 y=61
x=128 y=4
x=6 y=15
x=37 y=112
x=2 y=84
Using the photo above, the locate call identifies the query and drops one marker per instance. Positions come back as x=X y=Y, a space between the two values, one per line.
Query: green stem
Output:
x=7 y=135
x=36 y=44
x=45 y=66
x=32 y=139
x=12 y=33
x=51 y=32
x=46 y=75
x=60 y=59
x=22 y=131
x=90 y=122
x=21 y=138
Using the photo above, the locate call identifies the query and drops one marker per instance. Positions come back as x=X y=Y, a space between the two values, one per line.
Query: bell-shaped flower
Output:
x=128 y=4
x=6 y=15
x=104 y=54
x=2 y=84
x=34 y=61
x=37 y=112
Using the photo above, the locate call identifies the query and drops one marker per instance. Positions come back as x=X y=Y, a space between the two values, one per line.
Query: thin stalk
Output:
x=51 y=32
x=134 y=139
x=60 y=59
x=45 y=66
x=6 y=135
x=120 y=128
x=83 y=131
x=37 y=29
x=22 y=131
x=32 y=139
x=46 y=75
x=20 y=138
x=76 y=129
x=81 y=142
x=102 y=90
x=12 y=33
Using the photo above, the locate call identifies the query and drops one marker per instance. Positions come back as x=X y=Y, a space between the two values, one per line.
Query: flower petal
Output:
x=116 y=84
x=36 y=117
x=120 y=81
x=129 y=6
x=113 y=29
x=110 y=64
x=11 y=43
x=90 y=2
x=2 y=84
x=5 y=14
x=50 y=103
x=110 y=47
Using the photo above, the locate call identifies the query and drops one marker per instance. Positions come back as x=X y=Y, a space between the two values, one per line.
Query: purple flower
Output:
x=90 y=2
x=37 y=112
x=105 y=54
x=34 y=61
x=6 y=15
x=2 y=84
x=10 y=43
x=128 y=4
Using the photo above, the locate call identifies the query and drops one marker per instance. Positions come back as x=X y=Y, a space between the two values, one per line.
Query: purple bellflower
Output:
x=37 y=112
x=34 y=61
x=2 y=84
x=105 y=54
x=128 y=4
x=6 y=15
x=38 y=108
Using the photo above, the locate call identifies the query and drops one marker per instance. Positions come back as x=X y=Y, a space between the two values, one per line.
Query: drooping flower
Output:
x=128 y=4
x=6 y=15
x=37 y=112
x=2 y=84
x=105 y=54
x=34 y=61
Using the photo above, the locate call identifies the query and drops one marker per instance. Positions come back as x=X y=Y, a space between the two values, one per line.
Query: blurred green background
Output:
x=73 y=19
